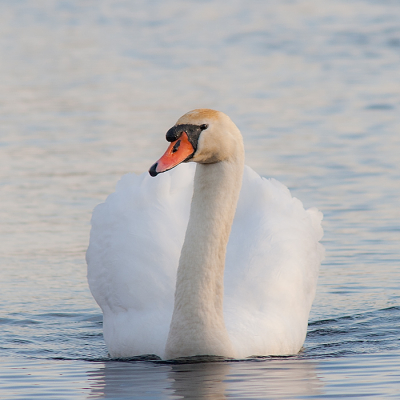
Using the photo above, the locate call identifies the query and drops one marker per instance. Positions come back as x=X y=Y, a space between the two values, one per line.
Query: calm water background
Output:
x=87 y=91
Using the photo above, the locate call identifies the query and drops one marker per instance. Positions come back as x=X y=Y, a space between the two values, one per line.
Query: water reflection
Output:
x=271 y=378
x=275 y=378
x=136 y=380
x=200 y=381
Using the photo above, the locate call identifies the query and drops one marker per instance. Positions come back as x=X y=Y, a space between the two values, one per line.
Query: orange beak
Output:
x=177 y=152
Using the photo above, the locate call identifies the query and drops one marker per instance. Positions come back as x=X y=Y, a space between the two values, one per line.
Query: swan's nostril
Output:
x=176 y=146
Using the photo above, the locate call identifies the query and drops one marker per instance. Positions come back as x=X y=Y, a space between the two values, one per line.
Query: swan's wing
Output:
x=135 y=244
x=272 y=265
x=271 y=269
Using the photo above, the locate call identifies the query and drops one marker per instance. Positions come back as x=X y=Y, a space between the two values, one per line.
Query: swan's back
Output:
x=271 y=270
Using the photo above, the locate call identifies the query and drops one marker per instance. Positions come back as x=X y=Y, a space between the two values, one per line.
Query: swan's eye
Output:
x=176 y=146
x=203 y=126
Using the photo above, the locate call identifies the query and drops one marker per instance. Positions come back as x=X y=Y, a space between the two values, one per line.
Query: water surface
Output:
x=87 y=91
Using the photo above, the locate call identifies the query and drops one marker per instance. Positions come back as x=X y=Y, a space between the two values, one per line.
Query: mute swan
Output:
x=263 y=238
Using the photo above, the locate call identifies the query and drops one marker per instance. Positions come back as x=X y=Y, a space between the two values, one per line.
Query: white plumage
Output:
x=272 y=262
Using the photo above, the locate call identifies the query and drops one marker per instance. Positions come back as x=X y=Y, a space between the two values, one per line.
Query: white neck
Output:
x=197 y=326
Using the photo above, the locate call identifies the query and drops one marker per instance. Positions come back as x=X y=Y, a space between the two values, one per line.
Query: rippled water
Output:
x=87 y=91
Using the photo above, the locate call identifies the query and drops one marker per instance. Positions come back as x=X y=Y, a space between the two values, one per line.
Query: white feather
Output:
x=271 y=271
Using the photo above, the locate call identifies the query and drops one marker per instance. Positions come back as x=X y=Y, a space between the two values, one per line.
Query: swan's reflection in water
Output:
x=200 y=381
x=130 y=380
x=275 y=378
x=270 y=378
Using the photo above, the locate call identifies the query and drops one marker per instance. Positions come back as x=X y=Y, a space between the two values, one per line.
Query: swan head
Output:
x=203 y=136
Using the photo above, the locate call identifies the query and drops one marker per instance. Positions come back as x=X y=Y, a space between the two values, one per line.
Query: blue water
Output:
x=88 y=88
